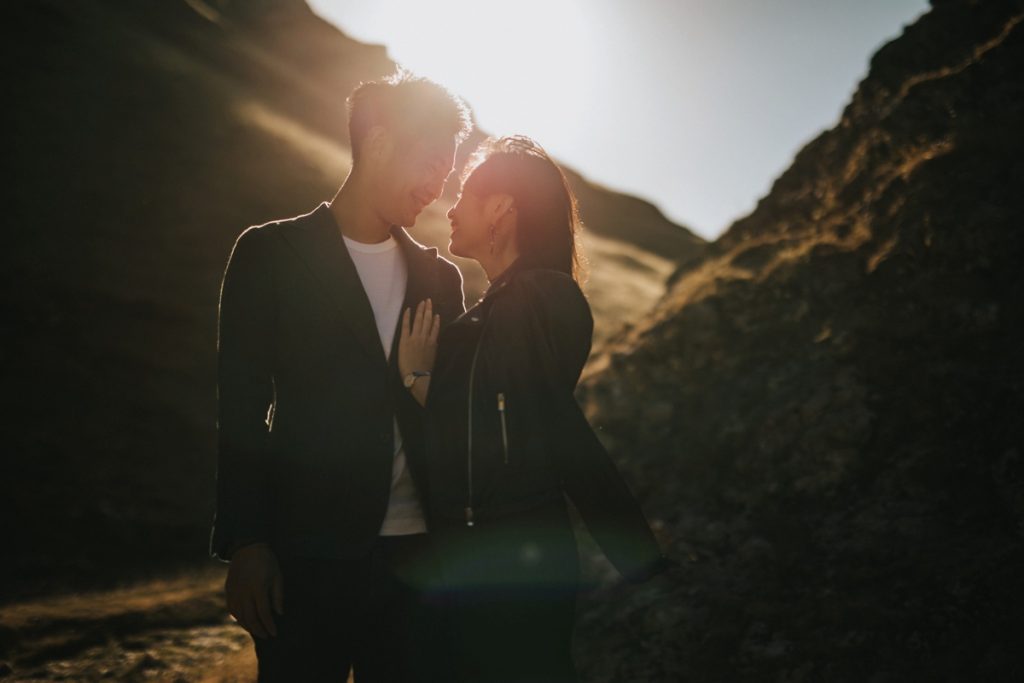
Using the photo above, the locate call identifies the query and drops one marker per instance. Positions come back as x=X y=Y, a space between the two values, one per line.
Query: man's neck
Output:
x=356 y=216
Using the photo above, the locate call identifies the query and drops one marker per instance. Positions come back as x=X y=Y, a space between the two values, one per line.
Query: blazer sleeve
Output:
x=550 y=319
x=245 y=394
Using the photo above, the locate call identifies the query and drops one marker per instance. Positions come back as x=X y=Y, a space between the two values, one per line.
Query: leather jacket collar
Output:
x=505 y=275
x=521 y=263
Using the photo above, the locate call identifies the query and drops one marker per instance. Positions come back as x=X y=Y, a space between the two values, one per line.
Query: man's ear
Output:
x=378 y=142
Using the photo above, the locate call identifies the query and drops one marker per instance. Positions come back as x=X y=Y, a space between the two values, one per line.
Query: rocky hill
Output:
x=141 y=139
x=824 y=413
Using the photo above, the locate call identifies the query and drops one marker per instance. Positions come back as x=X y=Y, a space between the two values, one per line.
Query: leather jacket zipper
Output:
x=469 y=435
x=504 y=430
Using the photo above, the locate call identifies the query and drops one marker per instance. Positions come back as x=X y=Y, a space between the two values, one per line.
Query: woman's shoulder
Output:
x=544 y=276
x=550 y=295
x=548 y=287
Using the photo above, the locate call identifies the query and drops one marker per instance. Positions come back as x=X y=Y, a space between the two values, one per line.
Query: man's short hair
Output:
x=407 y=104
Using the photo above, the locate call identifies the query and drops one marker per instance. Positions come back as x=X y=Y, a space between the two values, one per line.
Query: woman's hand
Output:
x=417 y=345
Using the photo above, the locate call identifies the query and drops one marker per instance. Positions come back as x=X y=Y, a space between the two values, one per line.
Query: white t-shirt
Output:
x=382 y=270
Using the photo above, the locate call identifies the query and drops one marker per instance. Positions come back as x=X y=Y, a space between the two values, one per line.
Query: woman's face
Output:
x=470 y=236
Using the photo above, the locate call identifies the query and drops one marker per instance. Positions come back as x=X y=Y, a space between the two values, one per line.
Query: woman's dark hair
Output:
x=548 y=219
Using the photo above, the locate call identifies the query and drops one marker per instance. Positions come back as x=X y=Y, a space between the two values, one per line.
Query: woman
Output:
x=506 y=438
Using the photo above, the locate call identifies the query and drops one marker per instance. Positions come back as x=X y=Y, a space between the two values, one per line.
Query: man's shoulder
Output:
x=444 y=265
x=264 y=236
x=450 y=268
x=282 y=225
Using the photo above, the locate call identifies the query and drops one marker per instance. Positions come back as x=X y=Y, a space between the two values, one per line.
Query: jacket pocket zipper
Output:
x=504 y=429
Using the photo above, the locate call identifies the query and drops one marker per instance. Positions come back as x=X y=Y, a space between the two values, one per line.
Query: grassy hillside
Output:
x=142 y=139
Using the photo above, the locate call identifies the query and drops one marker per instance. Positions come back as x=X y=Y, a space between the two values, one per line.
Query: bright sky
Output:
x=695 y=105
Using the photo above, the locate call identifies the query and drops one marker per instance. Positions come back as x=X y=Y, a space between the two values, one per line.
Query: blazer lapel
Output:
x=320 y=245
x=422 y=282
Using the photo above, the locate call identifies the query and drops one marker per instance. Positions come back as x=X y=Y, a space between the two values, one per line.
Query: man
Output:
x=319 y=485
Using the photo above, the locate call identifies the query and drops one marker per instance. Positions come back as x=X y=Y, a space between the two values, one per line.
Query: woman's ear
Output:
x=498 y=205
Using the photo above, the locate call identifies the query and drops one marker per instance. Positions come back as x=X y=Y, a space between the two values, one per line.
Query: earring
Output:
x=491 y=250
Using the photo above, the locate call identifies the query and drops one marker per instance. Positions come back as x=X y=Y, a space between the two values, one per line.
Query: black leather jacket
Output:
x=504 y=432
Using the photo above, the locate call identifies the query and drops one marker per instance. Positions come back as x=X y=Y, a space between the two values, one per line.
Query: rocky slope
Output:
x=142 y=138
x=823 y=414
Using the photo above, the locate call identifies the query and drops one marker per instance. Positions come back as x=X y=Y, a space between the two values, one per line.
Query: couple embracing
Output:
x=393 y=468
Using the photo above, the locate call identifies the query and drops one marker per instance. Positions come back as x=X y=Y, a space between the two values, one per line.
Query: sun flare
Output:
x=520 y=70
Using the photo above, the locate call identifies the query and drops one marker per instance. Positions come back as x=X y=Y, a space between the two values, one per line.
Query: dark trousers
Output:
x=514 y=636
x=372 y=615
x=510 y=590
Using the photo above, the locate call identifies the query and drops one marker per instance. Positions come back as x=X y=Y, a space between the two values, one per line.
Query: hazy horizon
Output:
x=694 y=106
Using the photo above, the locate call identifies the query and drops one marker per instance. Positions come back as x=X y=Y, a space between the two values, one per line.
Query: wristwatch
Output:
x=411 y=378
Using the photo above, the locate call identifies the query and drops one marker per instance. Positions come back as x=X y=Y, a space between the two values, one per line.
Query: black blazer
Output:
x=305 y=394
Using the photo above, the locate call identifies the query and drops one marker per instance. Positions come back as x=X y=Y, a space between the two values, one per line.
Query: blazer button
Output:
x=384 y=436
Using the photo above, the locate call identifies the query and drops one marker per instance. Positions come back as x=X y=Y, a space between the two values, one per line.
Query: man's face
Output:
x=412 y=176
